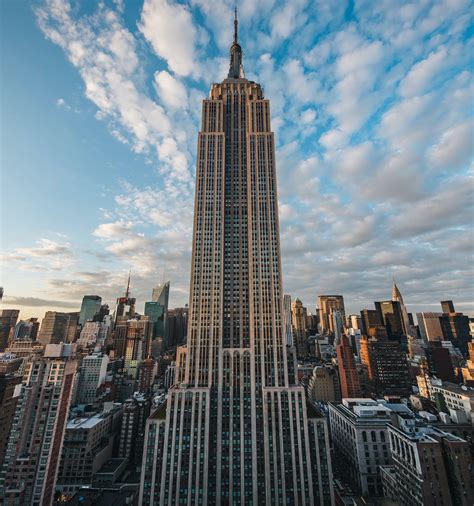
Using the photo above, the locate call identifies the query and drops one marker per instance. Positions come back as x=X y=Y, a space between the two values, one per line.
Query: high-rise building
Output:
x=439 y=361
x=324 y=384
x=8 y=319
x=26 y=329
x=156 y=312
x=370 y=319
x=348 y=375
x=138 y=344
x=92 y=372
x=287 y=320
x=447 y=306
x=455 y=328
x=397 y=296
x=176 y=326
x=386 y=366
x=53 y=328
x=132 y=433
x=392 y=318
x=161 y=294
x=238 y=428
x=125 y=305
x=9 y=391
x=430 y=326
x=327 y=305
x=89 y=308
x=298 y=318
x=34 y=446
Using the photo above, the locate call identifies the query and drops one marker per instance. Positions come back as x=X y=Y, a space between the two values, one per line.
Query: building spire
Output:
x=236 y=69
x=127 y=291
x=236 y=26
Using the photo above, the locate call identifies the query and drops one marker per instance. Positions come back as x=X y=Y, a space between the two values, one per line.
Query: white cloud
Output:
x=171 y=90
x=169 y=28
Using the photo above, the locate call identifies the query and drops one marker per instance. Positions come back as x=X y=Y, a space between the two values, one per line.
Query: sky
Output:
x=372 y=108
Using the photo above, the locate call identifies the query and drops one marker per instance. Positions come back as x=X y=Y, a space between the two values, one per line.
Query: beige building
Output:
x=324 y=384
x=298 y=321
x=328 y=304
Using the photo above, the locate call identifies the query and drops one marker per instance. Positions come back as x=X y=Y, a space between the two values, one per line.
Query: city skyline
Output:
x=373 y=163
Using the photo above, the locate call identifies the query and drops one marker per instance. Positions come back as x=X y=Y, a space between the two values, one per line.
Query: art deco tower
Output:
x=238 y=430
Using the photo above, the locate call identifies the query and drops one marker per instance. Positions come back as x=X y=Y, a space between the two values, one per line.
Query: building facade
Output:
x=238 y=428
x=34 y=446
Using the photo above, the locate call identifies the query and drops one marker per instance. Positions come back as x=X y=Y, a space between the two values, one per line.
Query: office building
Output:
x=407 y=326
x=137 y=345
x=360 y=439
x=370 y=319
x=176 y=326
x=8 y=320
x=26 y=329
x=91 y=374
x=161 y=294
x=439 y=361
x=447 y=306
x=238 y=426
x=287 y=320
x=34 y=446
x=455 y=328
x=327 y=305
x=132 y=433
x=298 y=318
x=324 y=384
x=93 y=334
x=58 y=327
x=429 y=466
x=88 y=445
x=391 y=315
x=386 y=366
x=348 y=375
x=90 y=307
x=10 y=382
x=125 y=308
x=430 y=326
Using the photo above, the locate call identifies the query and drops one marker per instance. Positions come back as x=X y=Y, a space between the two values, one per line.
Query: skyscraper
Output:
x=89 y=308
x=327 y=305
x=298 y=318
x=34 y=446
x=349 y=377
x=239 y=428
x=161 y=294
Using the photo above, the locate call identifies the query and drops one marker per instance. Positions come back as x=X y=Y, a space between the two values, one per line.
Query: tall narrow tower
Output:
x=238 y=430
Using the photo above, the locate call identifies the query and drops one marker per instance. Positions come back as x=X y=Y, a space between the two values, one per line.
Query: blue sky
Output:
x=372 y=105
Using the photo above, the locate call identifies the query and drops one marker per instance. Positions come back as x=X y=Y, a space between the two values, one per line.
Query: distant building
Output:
x=93 y=333
x=161 y=294
x=468 y=371
x=430 y=326
x=92 y=373
x=370 y=318
x=176 y=326
x=327 y=305
x=8 y=320
x=157 y=313
x=34 y=447
x=386 y=366
x=455 y=327
x=26 y=329
x=9 y=391
x=429 y=466
x=447 y=306
x=132 y=434
x=348 y=375
x=360 y=439
x=298 y=318
x=138 y=344
x=439 y=361
x=324 y=384
x=90 y=308
x=391 y=314
x=58 y=327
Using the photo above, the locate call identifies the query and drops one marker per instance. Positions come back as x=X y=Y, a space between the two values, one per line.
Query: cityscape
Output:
x=244 y=394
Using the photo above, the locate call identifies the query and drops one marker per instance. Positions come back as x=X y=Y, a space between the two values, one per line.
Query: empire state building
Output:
x=236 y=428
